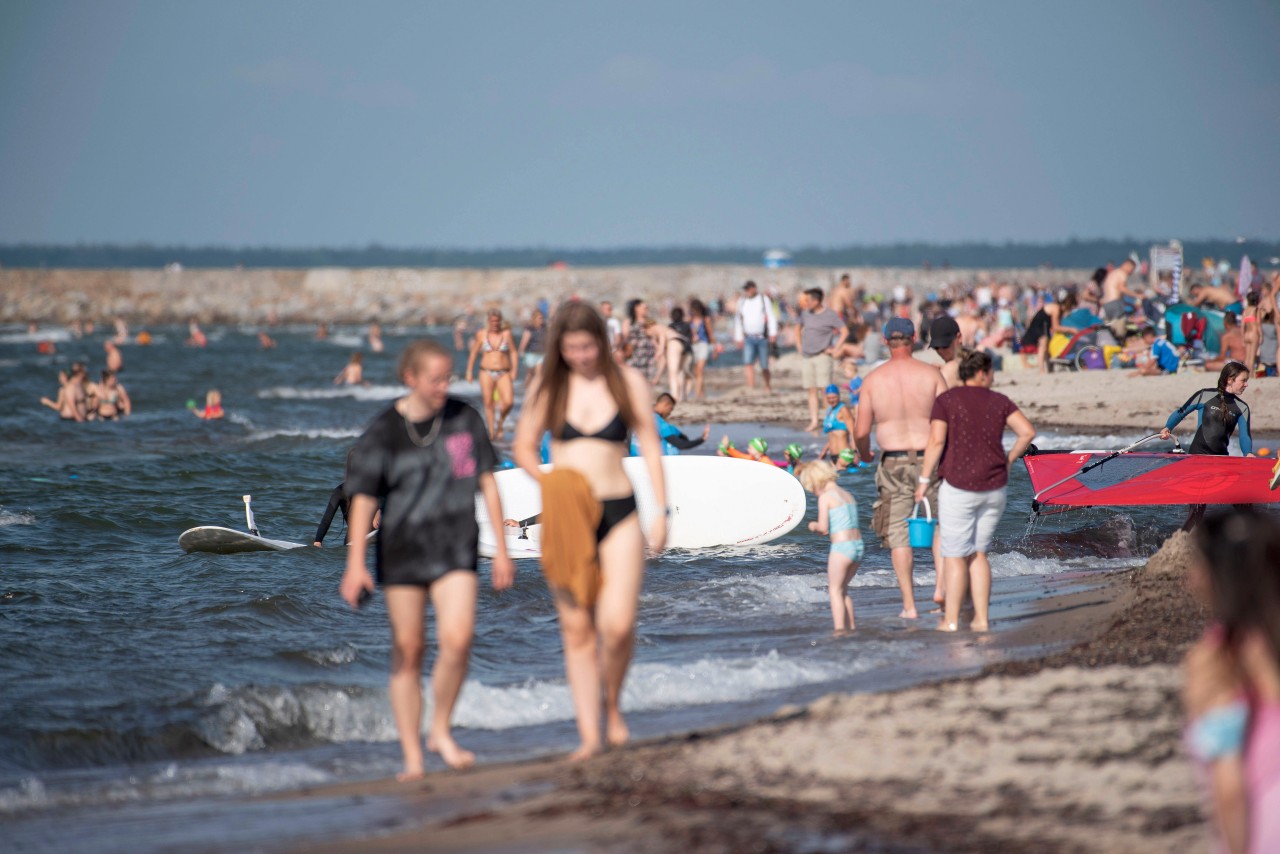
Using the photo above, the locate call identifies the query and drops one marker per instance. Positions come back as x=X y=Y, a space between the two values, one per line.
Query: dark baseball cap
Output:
x=943 y=331
x=899 y=326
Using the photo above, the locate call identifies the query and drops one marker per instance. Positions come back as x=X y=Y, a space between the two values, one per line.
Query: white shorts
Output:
x=701 y=351
x=967 y=520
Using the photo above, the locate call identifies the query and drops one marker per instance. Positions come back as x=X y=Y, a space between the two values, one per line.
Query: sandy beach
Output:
x=1075 y=751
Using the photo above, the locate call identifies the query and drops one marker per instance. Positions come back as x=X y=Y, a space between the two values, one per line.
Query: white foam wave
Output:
x=371 y=392
x=164 y=783
x=305 y=433
x=247 y=719
x=8 y=518
x=1089 y=441
x=347 y=340
x=774 y=594
x=35 y=337
x=1015 y=564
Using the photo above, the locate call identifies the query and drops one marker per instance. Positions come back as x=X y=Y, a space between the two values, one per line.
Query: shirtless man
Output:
x=1218 y=296
x=115 y=359
x=1231 y=345
x=897 y=398
x=71 y=402
x=1115 y=287
x=842 y=301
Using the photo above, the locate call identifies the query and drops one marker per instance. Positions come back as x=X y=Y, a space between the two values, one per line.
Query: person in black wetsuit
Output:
x=339 y=501
x=1221 y=411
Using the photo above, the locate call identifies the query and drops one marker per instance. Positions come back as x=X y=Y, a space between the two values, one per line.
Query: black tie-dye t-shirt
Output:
x=427 y=494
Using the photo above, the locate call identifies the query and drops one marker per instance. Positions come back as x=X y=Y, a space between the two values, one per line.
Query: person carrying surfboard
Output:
x=593 y=549
x=1221 y=412
x=423 y=460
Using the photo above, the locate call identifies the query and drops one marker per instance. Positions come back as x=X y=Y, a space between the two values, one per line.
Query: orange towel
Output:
x=570 y=516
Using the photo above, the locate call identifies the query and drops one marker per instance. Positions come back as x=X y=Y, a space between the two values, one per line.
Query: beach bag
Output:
x=920 y=531
x=1057 y=344
x=1092 y=360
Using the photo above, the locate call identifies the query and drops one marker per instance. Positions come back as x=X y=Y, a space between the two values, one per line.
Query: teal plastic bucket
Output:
x=921 y=530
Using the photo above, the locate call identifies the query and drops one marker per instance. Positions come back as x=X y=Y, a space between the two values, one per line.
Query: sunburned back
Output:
x=901 y=394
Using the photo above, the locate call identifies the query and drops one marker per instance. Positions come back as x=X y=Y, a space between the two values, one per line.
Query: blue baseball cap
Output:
x=899 y=326
x=833 y=389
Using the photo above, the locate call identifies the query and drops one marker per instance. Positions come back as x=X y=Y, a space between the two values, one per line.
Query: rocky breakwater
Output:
x=416 y=295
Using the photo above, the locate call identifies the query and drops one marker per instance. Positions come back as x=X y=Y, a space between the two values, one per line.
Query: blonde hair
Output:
x=817 y=474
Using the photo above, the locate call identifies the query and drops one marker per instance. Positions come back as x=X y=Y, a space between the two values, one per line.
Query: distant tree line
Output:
x=1074 y=253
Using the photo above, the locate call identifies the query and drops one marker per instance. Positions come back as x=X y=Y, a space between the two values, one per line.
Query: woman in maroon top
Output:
x=966 y=433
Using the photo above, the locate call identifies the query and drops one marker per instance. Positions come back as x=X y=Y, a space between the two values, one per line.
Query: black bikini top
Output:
x=614 y=431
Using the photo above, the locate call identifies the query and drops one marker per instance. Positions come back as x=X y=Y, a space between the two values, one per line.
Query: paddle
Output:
x=248 y=516
x=1035 y=499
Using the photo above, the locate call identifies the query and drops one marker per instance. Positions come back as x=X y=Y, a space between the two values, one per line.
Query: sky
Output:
x=601 y=124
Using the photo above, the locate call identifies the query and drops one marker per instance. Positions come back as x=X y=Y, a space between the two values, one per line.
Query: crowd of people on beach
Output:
x=600 y=386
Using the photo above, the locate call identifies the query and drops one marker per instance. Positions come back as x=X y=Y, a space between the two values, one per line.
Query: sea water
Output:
x=134 y=674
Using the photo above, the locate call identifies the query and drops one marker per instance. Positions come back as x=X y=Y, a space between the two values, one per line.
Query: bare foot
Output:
x=944 y=626
x=408 y=775
x=584 y=751
x=453 y=755
x=616 y=731
x=909 y=614
x=939 y=596
x=978 y=627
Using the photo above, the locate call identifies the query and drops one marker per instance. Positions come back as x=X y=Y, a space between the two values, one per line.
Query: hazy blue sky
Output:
x=594 y=124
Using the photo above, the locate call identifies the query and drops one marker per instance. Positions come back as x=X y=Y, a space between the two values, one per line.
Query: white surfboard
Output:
x=226 y=541
x=715 y=501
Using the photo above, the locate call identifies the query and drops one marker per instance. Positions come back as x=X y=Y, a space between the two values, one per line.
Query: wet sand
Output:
x=1074 y=751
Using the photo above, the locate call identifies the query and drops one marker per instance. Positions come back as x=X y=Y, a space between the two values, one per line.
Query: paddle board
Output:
x=715 y=501
x=226 y=541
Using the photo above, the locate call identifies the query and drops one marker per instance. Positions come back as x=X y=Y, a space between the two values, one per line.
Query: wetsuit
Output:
x=1220 y=413
x=337 y=501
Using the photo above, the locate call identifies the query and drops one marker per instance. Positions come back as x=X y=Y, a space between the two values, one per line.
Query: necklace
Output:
x=413 y=434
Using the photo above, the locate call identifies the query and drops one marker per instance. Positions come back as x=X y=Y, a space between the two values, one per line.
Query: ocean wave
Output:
x=304 y=433
x=252 y=718
x=163 y=782
x=1016 y=564
x=8 y=518
x=35 y=337
x=370 y=392
x=1050 y=439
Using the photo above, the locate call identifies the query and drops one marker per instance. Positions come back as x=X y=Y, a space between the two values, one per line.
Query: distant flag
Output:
x=1177 y=276
x=1245 y=281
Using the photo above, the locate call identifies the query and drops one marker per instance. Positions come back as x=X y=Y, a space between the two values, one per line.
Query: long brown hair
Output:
x=554 y=389
x=1230 y=371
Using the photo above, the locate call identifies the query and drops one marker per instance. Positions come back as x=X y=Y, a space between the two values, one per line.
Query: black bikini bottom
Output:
x=613 y=511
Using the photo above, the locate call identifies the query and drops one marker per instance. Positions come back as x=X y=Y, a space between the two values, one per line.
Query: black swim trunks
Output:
x=425 y=477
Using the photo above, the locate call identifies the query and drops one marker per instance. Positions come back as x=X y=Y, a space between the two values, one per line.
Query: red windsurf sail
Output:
x=1102 y=478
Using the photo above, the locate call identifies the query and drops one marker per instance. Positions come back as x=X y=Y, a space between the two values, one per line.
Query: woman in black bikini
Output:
x=496 y=348
x=591 y=405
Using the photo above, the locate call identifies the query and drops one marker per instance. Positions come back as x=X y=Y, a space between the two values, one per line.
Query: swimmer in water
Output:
x=353 y=373
x=71 y=404
x=110 y=399
x=757 y=450
x=122 y=331
x=375 y=338
x=837 y=425
x=115 y=359
x=266 y=342
x=212 y=406
x=195 y=337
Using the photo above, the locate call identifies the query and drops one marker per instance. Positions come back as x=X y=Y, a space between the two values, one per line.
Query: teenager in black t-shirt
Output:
x=422 y=461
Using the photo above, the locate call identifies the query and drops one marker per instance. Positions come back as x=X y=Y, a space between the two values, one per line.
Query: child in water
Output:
x=212 y=406
x=838 y=518
x=353 y=373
